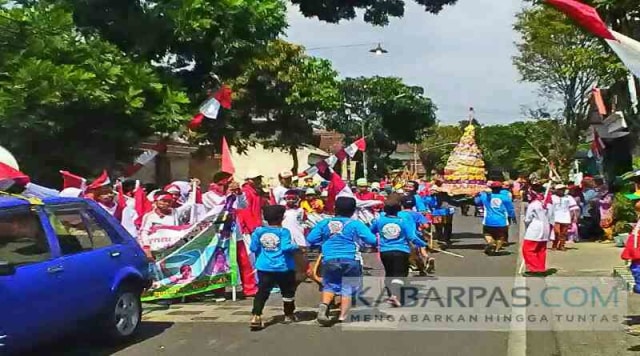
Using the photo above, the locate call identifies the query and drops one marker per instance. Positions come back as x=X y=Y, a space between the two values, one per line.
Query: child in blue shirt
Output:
x=339 y=238
x=420 y=223
x=275 y=264
x=396 y=236
x=498 y=213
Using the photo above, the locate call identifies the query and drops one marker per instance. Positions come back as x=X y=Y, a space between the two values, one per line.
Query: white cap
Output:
x=252 y=174
x=285 y=174
x=560 y=186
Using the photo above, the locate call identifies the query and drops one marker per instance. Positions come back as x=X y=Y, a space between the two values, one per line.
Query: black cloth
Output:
x=286 y=281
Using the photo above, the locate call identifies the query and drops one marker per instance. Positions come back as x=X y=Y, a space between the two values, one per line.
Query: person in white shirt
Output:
x=536 y=236
x=162 y=214
x=220 y=191
x=563 y=212
x=293 y=221
x=280 y=191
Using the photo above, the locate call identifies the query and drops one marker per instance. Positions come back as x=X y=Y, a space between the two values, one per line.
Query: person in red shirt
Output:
x=363 y=192
x=249 y=219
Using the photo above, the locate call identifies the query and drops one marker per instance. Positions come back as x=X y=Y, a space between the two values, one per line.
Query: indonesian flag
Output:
x=70 y=180
x=101 y=181
x=142 y=204
x=144 y=158
x=10 y=176
x=161 y=237
x=626 y=48
x=227 y=162
x=331 y=161
x=211 y=107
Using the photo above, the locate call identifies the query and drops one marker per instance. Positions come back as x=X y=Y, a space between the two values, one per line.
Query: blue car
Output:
x=66 y=263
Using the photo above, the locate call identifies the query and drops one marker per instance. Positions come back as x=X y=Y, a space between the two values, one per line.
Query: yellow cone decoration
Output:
x=465 y=171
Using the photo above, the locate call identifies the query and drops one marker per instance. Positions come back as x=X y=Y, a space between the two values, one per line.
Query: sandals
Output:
x=256 y=323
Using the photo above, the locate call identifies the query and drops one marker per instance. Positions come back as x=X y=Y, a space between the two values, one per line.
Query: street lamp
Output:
x=378 y=50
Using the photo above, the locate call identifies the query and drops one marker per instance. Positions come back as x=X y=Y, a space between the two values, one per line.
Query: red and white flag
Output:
x=227 y=165
x=70 y=180
x=144 y=158
x=211 y=107
x=10 y=176
x=626 y=48
x=101 y=181
x=331 y=161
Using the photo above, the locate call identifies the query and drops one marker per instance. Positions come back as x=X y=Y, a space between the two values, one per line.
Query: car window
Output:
x=22 y=238
x=77 y=231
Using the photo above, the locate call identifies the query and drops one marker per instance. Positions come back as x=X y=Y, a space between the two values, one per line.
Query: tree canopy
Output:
x=564 y=60
x=288 y=89
x=376 y=12
x=203 y=36
x=73 y=101
x=387 y=110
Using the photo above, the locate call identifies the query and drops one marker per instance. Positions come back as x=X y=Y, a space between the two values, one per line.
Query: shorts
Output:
x=496 y=233
x=336 y=270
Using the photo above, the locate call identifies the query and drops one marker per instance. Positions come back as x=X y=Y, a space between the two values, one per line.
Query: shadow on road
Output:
x=90 y=344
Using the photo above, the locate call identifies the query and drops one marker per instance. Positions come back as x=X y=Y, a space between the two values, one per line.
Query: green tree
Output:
x=387 y=110
x=376 y=12
x=289 y=89
x=564 y=61
x=193 y=39
x=73 y=101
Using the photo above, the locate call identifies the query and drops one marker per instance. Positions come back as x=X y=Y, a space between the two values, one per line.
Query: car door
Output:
x=29 y=299
x=88 y=258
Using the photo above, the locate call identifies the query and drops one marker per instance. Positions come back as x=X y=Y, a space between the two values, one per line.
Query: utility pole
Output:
x=364 y=153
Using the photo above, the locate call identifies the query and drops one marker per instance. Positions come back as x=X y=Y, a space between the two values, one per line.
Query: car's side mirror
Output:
x=6 y=268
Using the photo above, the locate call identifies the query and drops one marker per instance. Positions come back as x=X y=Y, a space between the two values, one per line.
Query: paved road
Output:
x=204 y=328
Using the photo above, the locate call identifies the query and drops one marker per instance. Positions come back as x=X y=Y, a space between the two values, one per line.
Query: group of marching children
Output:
x=279 y=247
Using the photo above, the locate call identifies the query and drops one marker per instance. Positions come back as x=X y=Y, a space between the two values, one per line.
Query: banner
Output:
x=204 y=259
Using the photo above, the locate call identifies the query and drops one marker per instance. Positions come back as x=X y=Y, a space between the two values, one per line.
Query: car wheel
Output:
x=125 y=314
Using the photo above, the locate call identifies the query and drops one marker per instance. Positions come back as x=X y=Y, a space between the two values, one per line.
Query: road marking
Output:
x=517 y=342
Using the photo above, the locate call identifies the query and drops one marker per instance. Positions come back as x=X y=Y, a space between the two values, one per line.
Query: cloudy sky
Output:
x=462 y=57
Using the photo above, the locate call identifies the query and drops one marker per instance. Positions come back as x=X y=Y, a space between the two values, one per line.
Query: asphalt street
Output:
x=177 y=337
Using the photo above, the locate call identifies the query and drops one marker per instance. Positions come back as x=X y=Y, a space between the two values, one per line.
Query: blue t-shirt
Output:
x=413 y=217
x=498 y=208
x=273 y=248
x=340 y=237
x=395 y=234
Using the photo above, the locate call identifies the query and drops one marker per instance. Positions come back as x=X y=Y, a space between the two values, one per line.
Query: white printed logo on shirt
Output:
x=391 y=231
x=269 y=241
x=496 y=203
x=335 y=227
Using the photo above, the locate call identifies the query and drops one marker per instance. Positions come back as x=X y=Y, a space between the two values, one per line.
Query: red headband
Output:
x=163 y=197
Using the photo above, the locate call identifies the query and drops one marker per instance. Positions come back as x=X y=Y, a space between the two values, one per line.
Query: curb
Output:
x=625 y=276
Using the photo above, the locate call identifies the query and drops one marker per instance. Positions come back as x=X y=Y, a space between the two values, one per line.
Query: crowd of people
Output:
x=402 y=220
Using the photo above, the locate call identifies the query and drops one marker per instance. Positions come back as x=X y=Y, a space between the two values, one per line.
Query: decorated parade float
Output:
x=465 y=174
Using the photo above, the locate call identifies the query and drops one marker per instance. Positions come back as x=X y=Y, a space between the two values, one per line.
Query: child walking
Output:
x=339 y=238
x=396 y=234
x=294 y=218
x=419 y=223
x=275 y=265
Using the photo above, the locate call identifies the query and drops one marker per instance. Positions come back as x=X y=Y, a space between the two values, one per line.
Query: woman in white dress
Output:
x=536 y=236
